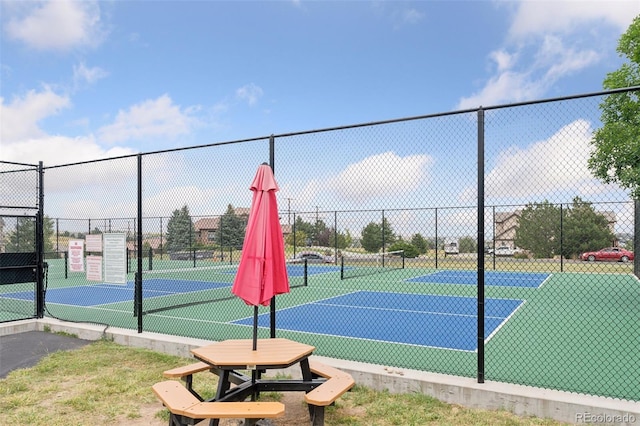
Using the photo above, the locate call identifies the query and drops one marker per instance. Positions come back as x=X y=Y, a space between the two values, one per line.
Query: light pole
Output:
x=289 y=209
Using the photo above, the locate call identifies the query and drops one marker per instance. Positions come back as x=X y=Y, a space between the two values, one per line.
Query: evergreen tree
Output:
x=231 y=228
x=180 y=230
x=23 y=238
x=584 y=229
x=539 y=229
x=420 y=243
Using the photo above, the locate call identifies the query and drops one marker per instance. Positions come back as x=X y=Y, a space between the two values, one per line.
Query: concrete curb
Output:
x=521 y=400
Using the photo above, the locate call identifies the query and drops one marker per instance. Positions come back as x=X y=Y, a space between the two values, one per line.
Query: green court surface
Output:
x=573 y=331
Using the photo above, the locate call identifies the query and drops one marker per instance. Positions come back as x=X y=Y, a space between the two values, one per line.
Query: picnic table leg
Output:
x=306 y=370
x=255 y=376
x=317 y=415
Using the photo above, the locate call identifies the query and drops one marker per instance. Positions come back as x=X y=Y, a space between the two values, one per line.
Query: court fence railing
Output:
x=510 y=179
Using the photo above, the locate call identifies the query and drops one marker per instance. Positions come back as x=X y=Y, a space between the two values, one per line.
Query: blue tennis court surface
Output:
x=102 y=293
x=297 y=270
x=491 y=278
x=448 y=322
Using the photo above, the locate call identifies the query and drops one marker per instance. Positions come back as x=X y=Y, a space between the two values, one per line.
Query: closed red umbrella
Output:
x=262 y=272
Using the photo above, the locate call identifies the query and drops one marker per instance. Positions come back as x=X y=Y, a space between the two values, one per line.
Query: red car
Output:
x=616 y=254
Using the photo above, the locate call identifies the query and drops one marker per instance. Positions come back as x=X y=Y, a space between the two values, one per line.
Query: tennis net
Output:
x=358 y=265
x=169 y=289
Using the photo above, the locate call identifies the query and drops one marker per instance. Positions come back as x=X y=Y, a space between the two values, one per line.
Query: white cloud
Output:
x=57 y=25
x=250 y=93
x=551 y=62
x=542 y=167
x=20 y=118
x=507 y=86
x=533 y=18
x=503 y=59
x=547 y=43
x=82 y=74
x=55 y=150
x=152 y=118
x=560 y=61
x=381 y=175
x=412 y=16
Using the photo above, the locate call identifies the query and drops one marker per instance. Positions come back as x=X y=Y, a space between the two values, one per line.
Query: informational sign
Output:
x=93 y=243
x=115 y=258
x=94 y=268
x=76 y=255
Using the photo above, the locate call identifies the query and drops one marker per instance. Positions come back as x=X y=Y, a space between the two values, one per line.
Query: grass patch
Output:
x=107 y=383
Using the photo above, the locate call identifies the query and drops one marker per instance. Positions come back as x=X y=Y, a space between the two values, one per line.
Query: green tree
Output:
x=467 y=245
x=616 y=154
x=231 y=229
x=309 y=230
x=375 y=234
x=410 y=251
x=180 y=230
x=539 y=229
x=420 y=243
x=372 y=237
x=584 y=229
x=341 y=240
x=23 y=238
x=297 y=239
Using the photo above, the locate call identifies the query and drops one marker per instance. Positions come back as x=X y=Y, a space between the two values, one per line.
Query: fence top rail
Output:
x=35 y=166
x=366 y=124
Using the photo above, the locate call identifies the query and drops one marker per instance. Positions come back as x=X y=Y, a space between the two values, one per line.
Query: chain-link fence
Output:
x=475 y=243
x=20 y=259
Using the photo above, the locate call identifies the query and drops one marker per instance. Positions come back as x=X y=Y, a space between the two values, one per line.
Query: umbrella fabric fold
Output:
x=262 y=272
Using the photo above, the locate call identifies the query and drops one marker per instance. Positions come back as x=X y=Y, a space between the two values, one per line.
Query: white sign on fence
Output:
x=94 y=268
x=115 y=258
x=76 y=255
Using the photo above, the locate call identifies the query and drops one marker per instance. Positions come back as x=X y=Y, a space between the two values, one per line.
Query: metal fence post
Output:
x=40 y=245
x=138 y=279
x=636 y=237
x=480 y=249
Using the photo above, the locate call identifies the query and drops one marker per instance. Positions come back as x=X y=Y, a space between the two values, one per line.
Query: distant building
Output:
x=206 y=229
x=506 y=225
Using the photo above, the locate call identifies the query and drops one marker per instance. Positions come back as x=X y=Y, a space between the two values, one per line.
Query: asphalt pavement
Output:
x=24 y=350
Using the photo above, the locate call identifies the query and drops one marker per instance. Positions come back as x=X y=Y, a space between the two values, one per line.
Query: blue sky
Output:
x=82 y=80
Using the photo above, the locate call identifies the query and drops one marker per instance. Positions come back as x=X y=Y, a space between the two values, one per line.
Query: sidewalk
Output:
x=24 y=350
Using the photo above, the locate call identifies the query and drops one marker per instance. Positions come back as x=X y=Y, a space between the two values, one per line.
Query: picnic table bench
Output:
x=186 y=373
x=322 y=384
x=338 y=382
x=187 y=409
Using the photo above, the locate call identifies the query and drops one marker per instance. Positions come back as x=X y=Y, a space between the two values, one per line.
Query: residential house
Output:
x=506 y=224
x=206 y=229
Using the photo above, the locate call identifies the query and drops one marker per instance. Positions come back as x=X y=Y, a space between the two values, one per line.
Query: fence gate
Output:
x=22 y=266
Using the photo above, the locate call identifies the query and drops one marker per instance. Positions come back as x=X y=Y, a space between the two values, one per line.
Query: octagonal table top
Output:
x=240 y=353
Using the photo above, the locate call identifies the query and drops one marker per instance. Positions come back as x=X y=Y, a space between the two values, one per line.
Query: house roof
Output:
x=207 y=223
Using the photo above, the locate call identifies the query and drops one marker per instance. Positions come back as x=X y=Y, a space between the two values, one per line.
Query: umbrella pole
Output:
x=273 y=317
x=255 y=328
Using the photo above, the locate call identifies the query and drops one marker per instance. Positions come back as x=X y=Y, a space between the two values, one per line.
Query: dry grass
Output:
x=106 y=383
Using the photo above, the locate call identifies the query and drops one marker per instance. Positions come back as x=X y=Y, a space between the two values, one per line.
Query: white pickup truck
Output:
x=506 y=251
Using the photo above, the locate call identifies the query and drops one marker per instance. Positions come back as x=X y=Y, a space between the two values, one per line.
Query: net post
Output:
x=150 y=259
x=66 y=265
x=305 y=272
x=342 y=268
